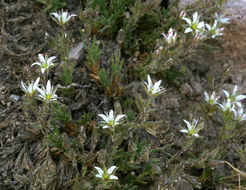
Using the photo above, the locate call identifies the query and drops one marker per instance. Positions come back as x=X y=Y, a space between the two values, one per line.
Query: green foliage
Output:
x=52 y=5
x=93 y=55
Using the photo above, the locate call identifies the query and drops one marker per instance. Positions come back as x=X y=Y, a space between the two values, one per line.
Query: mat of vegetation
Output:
x=118 y=94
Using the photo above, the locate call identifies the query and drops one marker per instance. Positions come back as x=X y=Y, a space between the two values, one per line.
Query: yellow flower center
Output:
x=111 y=122
x=105 y=176
x=48 y=96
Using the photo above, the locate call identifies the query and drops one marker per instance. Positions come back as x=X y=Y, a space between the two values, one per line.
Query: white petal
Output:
x=234 y=90
x=195 y=17
x=188 y=30
x=200 y=25
x=240 y=97
x=187 y=20
x=56 y=15
x=215 y=24
x=195 y=134
x=226 y=93
x=113 y=177
x=238 y=104
x=208 y=27
x=37 y=63
x=48 y=87
x=110 y=170
x=36 y=83
x=184 y=131
x=149 y=82
x=41 y=58
x=188 y=125
x=24 y=86
x=41 y=91
x=99 y=176
x=119 y=117
x=51 y=59
x=43 y=70
x=157 y=84
x=100 y=171
x=104 y=117
x=105 y=127
x=206 y=96
x=111 y=115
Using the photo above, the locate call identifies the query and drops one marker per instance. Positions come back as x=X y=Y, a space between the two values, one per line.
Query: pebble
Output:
x=186 y=89
x=76 y=52
x=14 y=97
x=9 y=104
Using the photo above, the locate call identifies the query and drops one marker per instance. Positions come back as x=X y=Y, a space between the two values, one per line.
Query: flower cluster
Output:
x=232 y=103
x=199 y=27
x=46 y=94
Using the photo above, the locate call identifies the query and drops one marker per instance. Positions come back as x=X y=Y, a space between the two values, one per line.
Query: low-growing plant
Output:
x=126 y=147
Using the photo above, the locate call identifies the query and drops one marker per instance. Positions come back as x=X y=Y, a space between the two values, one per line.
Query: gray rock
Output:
x=76 y=52
x=197 y=88
x=186 y=89
x=14 y=97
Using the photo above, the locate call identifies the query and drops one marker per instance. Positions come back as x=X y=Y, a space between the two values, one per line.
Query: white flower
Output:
x=221 y=19
x=170 y=37
x=48 y=93
x=194 y=25
x=239 y=114
x=31 y=88
x=227 y=105
x=62 y=17
x=111 y=120
x=44 y=62
x=153 y=89
x=192 y=128
x=106 y=174
x=211 y=98
x=214 y=30
x=234 y=97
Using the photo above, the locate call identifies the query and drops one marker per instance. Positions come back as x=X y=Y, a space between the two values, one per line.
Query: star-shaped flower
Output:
x=170 y=37
x=62 y=17
x=214 y=30
x=211 y=98
x=227 y=105
x=153 y=89
x=31 y=88
x=221 y=19
x=110 y=120
x=239 y=114
x=194 y=25
x=106 y=174
x=44 y=62
x=192 y=128
x=234 y=97
x=48 y=94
